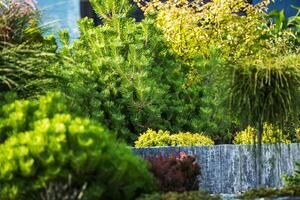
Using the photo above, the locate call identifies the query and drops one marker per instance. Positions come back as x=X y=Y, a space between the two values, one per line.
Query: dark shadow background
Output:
x=86 y=10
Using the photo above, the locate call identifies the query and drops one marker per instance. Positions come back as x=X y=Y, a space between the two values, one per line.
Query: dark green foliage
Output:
x=124 y=74
x=271 y=193
x=44 y=146
x=195 y=195
x=176 y=172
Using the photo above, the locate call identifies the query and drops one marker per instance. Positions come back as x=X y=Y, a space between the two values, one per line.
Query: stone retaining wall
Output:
x=231 y=169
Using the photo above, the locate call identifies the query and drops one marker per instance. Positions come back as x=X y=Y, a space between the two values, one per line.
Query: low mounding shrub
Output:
x=20 y=116
x=164 y=138
x=176 y=172
x=43 y=147
x=270 y=135
x=194 y=195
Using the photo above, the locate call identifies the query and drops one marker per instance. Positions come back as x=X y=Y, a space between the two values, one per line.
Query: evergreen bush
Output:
x=123 y=74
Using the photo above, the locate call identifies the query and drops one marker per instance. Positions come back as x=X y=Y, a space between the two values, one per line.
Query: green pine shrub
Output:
x=194 y=195
x=164 y=138
x=270 y=135
x=124 y=74
x=44 y=146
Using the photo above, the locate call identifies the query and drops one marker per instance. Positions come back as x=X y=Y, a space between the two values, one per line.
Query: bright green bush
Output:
x=195 y=195
x=164 y=138
x=270 y=135
x=123 y=74
x=43 y=146
x=20 y=116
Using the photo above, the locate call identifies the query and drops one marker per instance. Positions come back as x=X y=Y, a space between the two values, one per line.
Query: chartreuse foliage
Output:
x=164 y=138
x=42 y=144
x=192 y=28
x=267 y=88
x=262 y=64
x=19 y=116
x=270 y=135
x=123 y=74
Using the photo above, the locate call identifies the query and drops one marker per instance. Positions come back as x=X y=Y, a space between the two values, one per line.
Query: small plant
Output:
x=27 y=59
x=18 y=19
x=270 y=135
x=164 y=138
x=176 y=172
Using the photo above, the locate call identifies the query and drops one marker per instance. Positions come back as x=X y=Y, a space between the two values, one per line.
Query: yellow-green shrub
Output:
x=271 y=135
x=42 y=145
x=164 y=138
